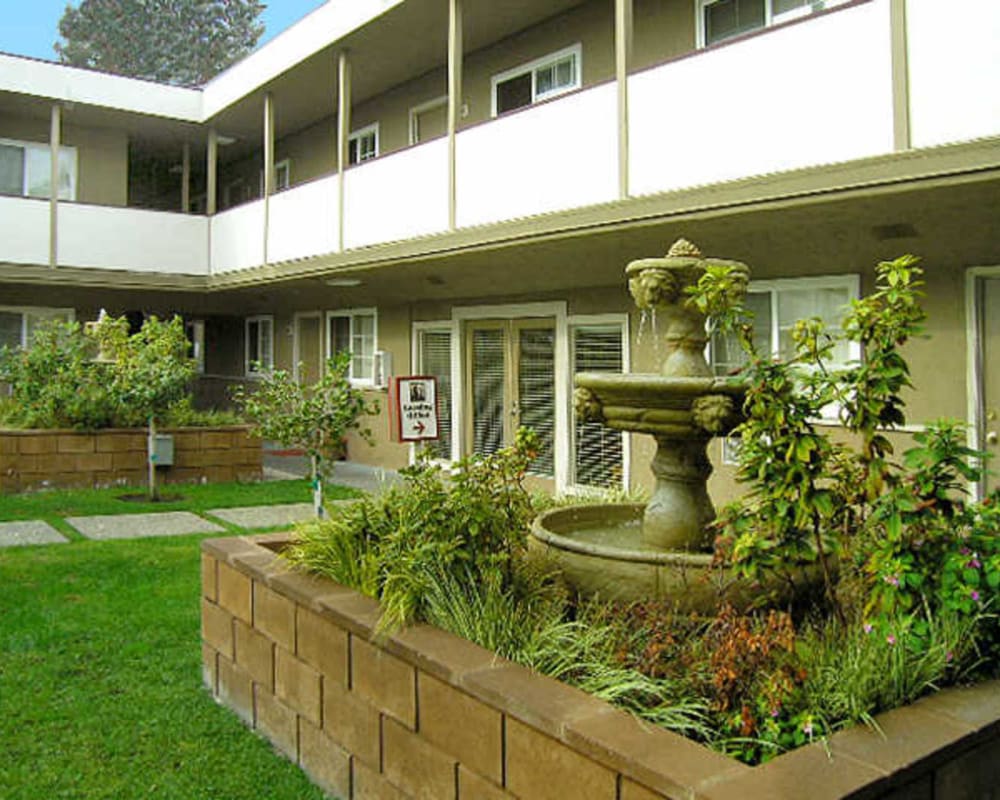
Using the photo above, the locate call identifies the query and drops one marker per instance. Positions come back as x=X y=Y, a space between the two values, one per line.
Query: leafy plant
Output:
x=314 y=416
x=148 y=372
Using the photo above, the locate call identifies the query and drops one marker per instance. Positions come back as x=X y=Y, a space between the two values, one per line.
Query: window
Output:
x=195 y=332
x=434 y=358
x=354 y=331
x=429 y=120
x=778 y=305
x=598 y=451
x=719 y=20
x=17 y=325
x=362 y=145
x=259 y=344
x=26 y=169
x=547 y=77
x=282 y=176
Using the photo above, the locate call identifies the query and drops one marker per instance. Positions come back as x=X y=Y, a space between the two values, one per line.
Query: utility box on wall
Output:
x=163 y=450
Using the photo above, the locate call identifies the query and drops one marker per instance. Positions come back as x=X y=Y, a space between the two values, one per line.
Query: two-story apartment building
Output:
x=453 y=188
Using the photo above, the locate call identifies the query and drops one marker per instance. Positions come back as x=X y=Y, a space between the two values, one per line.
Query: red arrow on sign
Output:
x=419 y=427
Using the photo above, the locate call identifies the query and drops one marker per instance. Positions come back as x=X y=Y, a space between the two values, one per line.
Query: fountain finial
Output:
x=683 y=248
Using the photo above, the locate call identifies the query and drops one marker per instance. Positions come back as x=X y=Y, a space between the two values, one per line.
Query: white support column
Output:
x=186 y=179
x=455 y=46
x=212 y=172
x=55 y=143
x=343 y=132
x=623 y=61
x=900 y=76
x=268 y=164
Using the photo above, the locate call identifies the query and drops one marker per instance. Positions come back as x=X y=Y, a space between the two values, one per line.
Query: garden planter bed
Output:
x=35 y=459
x=425 y=714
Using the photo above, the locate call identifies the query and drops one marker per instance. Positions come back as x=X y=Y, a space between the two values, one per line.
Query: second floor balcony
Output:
x=836 y=88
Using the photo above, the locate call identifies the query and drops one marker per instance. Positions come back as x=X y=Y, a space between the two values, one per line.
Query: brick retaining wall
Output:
x=425 y=714
x=36 y=459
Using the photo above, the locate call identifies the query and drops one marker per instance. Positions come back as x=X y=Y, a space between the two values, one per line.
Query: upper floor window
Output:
x=362 y=144
x=26 y=169
x=429 y=120
x=259 y=344
x=545 y=77
x=282 y=176
x=778 y=305
x=719 y=20
x=354 y=331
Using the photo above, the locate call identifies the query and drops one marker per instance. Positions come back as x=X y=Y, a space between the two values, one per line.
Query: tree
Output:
x=182 y=42
x=313 y=417
x=148 y=371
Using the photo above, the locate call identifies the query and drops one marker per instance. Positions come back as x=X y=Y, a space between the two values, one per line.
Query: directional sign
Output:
x=415 y=407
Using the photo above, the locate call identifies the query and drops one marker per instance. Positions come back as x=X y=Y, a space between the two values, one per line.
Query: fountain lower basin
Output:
x=601 y=553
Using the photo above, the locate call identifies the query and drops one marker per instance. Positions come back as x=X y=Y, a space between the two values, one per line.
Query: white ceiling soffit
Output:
x=327 y=24
x=28 y=76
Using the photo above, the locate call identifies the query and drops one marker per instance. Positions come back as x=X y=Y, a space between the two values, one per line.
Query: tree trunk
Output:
x=317 y=487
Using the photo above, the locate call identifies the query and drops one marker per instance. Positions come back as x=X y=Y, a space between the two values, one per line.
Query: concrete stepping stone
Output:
x=265 y=516
x=140 y=526
x=17 y=534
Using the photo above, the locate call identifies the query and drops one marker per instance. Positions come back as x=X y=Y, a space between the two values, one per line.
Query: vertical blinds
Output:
x=597 y=450
x=536 y=392
x=435 y=360
x=487 y=390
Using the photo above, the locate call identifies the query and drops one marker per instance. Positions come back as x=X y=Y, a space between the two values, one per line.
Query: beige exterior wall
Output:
x=101 y=156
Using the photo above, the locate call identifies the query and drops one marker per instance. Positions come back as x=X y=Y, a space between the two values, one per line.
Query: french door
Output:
x=990 y=440
x=510 y=375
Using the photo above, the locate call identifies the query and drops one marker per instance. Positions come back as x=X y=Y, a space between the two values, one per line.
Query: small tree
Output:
x=148 y=372
x=313 y=417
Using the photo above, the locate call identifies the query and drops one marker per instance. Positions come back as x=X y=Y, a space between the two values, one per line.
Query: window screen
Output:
x=435 y=360
x=536 y=393
x=597 y=450
x=727 y=18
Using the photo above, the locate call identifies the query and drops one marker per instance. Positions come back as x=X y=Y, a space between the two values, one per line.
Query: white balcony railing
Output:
x=303 y=222
x=398 y=196
x=238 y=238
x=954 y=60
x=133 y=239
x=558 y=155
x=24 y=230
x=813 y=93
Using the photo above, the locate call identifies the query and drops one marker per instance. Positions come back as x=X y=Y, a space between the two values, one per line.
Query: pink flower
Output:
x=973 y=563
x=975 y=595
x=868 y=627
x=892 y=580
x=948 y=657
x=807 y=728
x=890 y=639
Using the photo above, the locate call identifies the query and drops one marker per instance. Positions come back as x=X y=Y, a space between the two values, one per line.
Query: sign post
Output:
x=414 y=405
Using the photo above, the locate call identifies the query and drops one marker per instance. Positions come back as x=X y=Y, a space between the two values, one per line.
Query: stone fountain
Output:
x=663 y=549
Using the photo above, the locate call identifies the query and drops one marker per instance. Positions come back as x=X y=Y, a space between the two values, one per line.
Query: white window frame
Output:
x=417 y=110
x=64 y=150
x=596 y=320
x=575 y=50
x=268 y=365
x=352 y=314
x=195 y=328
x=356 y=136
x=416 y=359
x=850 y=282
x=41 y=311
x=282 y=176
x=770 y=18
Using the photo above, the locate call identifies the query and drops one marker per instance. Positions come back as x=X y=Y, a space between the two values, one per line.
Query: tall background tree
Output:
x=183 y=42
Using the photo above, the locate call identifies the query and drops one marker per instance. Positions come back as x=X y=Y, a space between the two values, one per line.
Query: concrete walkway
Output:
x=181 y=523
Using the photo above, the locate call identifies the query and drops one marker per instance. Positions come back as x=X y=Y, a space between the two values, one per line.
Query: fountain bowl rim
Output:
x=617 y=513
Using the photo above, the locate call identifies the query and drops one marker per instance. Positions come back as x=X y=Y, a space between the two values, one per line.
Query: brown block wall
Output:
x=424 y=714
x=67 y=459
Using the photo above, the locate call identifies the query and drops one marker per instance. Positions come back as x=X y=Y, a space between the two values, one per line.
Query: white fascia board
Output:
x=327 y=24
x=60 y=83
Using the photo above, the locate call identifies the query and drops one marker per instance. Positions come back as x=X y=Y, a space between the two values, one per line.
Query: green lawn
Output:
x=55 y=504
x=100 y=680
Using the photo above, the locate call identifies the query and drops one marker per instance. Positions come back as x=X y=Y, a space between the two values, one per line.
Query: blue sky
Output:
x=30 y=27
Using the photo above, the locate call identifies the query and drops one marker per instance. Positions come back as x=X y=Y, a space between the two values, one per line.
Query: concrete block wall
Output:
x=34 y=459
x=425 y=714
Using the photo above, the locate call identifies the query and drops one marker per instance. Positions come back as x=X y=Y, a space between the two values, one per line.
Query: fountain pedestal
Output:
x=680 y=510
